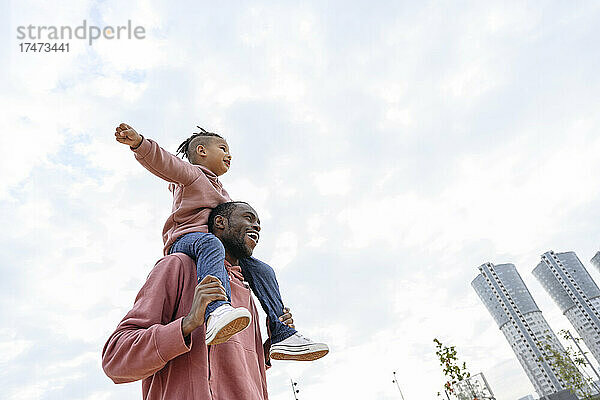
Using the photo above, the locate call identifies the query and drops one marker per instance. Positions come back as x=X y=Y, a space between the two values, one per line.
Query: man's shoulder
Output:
x=174 y=264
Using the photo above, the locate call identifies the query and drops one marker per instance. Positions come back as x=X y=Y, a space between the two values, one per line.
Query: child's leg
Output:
x=263 y=283
x=209 y=254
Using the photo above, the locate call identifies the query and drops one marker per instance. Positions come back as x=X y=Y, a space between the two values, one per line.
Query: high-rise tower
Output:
x=506 y=297
x=596 y=260
x=570 y=285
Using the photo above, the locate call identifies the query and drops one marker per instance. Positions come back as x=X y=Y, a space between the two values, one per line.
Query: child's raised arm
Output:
x=155 y=159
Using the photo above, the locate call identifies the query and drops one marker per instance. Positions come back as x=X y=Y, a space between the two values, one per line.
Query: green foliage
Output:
x=451 y=368
x=565 y=366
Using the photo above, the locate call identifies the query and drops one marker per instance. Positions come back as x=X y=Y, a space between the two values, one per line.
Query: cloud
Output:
x=335 y=182
x=12 y=349
x=285 y=249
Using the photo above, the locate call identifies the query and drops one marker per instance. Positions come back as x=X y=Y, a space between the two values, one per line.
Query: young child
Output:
x=196 y=191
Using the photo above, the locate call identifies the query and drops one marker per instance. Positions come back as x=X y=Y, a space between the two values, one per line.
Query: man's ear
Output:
x=220 y=222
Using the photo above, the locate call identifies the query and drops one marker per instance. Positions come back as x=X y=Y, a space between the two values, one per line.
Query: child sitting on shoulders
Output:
x=196 y=191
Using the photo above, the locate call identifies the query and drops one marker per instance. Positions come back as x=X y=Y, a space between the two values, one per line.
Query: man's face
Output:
x=241 y=235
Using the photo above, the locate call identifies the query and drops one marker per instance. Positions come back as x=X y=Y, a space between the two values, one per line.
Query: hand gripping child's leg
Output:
x=222 y=320
x=286 y=342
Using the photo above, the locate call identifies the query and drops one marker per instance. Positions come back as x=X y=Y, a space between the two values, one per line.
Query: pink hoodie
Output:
x=148 y=343
x=196 y=190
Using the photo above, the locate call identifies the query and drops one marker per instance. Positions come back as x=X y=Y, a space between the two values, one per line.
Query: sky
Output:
x=389 y=148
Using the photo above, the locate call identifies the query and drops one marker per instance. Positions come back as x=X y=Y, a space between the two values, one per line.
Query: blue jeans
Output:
x=262 y=281
x=209 y=254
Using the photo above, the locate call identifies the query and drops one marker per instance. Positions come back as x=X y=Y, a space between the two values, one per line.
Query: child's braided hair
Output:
x=189 y=144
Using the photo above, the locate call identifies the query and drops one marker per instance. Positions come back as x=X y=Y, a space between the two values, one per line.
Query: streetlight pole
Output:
x=396 y=382
x=294 y=390
x=445 y=391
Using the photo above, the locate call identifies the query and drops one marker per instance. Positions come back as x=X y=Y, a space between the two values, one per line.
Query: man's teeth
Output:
x=253 y=236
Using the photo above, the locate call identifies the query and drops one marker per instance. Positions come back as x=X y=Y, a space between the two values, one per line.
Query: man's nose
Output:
x=256 y=226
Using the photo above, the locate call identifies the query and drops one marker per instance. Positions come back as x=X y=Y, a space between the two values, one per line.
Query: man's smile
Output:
x=254 y=236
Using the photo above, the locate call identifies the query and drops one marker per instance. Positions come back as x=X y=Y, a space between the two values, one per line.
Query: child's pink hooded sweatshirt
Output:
x=196 y=190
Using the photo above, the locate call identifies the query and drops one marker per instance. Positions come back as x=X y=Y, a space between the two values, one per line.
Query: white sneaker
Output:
x=224 y=322
x=298 y=348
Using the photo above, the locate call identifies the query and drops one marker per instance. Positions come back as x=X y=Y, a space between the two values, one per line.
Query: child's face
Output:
x=215 y=156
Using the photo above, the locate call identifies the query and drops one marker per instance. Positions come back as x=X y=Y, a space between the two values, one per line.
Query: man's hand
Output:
x=207 y=291
x=286 y=318
x=127 y=135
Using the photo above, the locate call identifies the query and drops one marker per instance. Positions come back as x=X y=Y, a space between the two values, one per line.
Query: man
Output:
x=161 y=340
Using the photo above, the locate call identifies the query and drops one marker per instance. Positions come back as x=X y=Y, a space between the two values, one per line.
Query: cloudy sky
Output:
x=390 y=148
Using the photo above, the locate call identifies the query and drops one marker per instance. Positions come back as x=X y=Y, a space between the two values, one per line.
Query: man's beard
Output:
x=237 y=246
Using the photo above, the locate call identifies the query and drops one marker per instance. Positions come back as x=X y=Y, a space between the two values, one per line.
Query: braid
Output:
x=190 y=143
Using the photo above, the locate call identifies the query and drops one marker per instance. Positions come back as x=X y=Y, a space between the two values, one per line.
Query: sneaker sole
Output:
x=233 y=327
x=298 y=354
